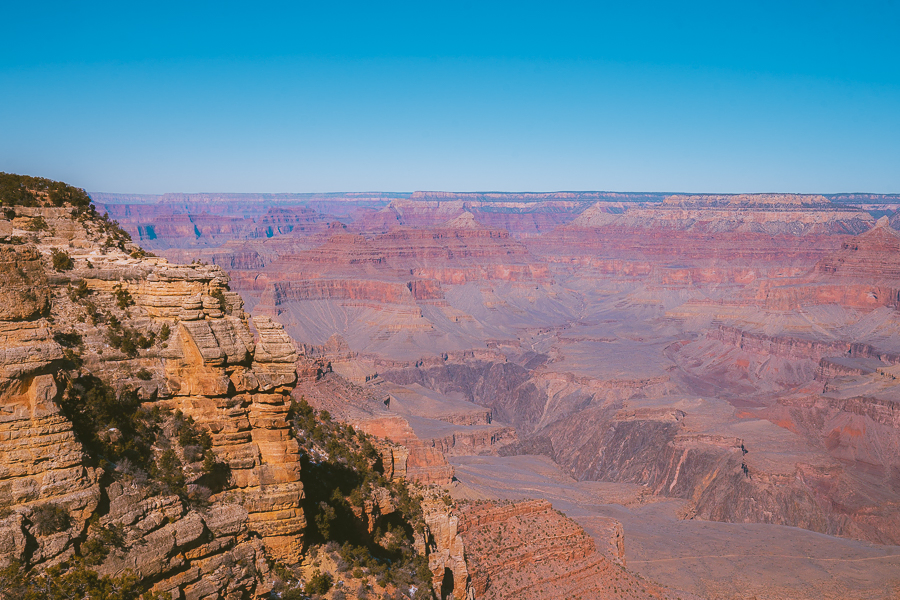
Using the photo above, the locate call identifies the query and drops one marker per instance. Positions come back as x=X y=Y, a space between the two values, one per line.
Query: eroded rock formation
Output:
x=78 y=300
x=529 y=550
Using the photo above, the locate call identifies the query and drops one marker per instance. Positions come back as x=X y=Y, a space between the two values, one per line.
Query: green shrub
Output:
x=38 y=224
x=61 y=260
x=78 y=292
x=23 y=190
x=74 y=359
x=319 y=583
x=224 y=306
x=169 y=471
x=127 y=339
x=101 y=540
x=93 y=313
x=123 y=297
x=144 y=375
x=69 y=339
x=50 y=518
x=96 y=410
x=71 y=580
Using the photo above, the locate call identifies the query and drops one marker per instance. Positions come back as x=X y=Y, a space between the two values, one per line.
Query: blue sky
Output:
x=296 y=97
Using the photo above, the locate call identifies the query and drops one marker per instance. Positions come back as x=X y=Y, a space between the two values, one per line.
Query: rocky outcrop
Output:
x=868 y=256
x=723 y=477
x=529 y=550
x=477 y=440
x=862 y=273
x=484 y=377
x=424 y=463
x=443 y=545
x=244 y=405
x=41 y=461
x=394 y=458
x=190 y=553
x=403 y=453
x=772 y=214
x=284 y=220
x=79 y=300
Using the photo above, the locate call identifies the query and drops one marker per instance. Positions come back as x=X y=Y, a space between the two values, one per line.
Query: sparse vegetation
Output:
x=50 y=518
x=112 y=426
x=140 y=253
x=150 y=445
x=93 y=313
x=78 y=292
x=73 y=358
x=71 y=579
x=123 y=297
x=61 y=260
x=127 y=339
x=341 y=470
x=38 y=224
x=110 y=229
x=101 y=541
x=71 y=339
x=224 y=306
x=22 y=190
x=319 y=583
x=169 y=471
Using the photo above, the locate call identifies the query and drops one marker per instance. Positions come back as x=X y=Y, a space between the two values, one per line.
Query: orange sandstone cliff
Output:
x=80 y=305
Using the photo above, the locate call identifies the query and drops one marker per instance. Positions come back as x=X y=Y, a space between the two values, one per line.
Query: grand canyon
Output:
x=531 y=395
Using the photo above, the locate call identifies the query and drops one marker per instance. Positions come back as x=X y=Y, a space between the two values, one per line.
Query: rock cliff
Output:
x=90 y=323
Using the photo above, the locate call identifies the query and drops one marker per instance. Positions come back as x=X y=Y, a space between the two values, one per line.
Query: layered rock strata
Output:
x=41 y=461
x=65 y=288
x=529 y=550
x=403 y=453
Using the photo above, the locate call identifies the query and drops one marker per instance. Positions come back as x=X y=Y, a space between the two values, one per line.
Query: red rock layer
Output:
x=862 y=273
x=425 y=464
x=872 y=255
x=445 y=255
x=668 y=246
x=529 y=550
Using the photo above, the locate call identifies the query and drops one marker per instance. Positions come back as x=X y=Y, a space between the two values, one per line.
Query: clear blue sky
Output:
x=337 y=96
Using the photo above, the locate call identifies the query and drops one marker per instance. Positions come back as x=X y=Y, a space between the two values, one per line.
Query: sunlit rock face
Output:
x=231 y=374
x=41 y=462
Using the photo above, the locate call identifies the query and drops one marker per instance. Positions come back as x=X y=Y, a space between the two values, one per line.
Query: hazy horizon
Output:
x=506 y=192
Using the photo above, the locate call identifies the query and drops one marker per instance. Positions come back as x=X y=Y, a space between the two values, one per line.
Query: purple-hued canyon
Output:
x=591 y=394
x=704 y=361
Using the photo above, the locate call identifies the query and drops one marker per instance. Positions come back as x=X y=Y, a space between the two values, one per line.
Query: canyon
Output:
x=158 y=440
x=705 y=385
x=731 y=354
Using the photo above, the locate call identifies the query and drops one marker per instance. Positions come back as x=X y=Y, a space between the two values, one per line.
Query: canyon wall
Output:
x=86 y=311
